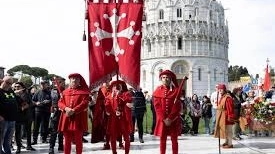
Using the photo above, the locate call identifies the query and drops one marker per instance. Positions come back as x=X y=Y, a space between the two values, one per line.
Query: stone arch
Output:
x=157 y=68
x=180 y=68
x=158 y=64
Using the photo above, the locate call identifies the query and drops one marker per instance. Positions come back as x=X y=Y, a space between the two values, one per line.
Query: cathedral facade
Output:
x=189 y=37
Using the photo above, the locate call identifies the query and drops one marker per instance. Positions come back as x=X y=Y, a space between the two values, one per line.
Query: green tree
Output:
x=27 y=80
x=38 y=72
x=235 y=72
x=27 y=73
x=24 y=69
x=51 y=76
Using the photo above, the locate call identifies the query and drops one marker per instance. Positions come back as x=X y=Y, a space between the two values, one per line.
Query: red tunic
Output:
x=118 y=124
x=165 y=107
x=99 y=117
x=78 y=100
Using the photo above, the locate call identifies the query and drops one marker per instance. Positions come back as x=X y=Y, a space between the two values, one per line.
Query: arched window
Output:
x=210 y=15
x=144 y=75
x=215 y=75
x=224 y=78
x=210 y=46
x=179 y=69
x=149 y=45
x=199 y=74
x=161 y=14
x=179 y=13
x=196 y=11
x=179 y=43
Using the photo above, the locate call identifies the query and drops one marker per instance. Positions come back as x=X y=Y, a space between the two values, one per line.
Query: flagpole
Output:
x=84 y=37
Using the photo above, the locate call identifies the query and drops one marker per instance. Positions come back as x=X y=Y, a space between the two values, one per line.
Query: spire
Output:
x=267 y=81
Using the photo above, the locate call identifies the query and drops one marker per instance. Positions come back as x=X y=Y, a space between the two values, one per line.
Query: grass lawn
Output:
x=147 y=122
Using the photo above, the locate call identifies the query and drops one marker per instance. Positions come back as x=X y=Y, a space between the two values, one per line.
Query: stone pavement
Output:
x=201 y=144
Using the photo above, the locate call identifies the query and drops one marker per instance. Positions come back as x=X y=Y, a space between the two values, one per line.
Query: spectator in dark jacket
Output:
x=138 y=110
x=42 y=105
x=206 y=113
x=237 y=101
x=9 y=103
x=55 y=116
x=25 y=116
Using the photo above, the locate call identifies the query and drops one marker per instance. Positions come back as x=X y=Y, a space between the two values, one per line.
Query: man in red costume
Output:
x=117 y=105
x=225 y=117
x=73 y=119
x=167 y=111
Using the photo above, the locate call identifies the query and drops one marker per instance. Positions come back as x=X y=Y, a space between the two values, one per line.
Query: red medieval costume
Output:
x=99 y=117
x=167 y=109
x=119 y=122
x=73 y=120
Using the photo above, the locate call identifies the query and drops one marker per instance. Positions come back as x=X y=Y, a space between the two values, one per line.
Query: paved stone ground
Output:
x=202 y=144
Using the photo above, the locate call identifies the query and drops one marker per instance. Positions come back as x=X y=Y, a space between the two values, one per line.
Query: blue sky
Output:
x=48 y=34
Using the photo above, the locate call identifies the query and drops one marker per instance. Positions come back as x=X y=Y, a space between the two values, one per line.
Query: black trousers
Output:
x=18 y=132
x=195 y=124
x=54 y=133
x=41 y=119
x=138 y=117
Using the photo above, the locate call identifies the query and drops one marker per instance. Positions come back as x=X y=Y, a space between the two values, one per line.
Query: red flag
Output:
x=266 y=80
x=114 y=41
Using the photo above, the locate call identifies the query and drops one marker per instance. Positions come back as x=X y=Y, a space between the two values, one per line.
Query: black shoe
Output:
x=30 y=148
x=120 y=145
x=141 y=140
x=44 y=141
x=60 y=149
x=34 y=143
x=84 y=140
x=22 y=146
x=132 y=138
x=51 y=151
x=106 y=147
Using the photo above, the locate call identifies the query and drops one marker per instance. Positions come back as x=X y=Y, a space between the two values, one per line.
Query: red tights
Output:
x=126 y=137
x=75 y=136
x=174 y=140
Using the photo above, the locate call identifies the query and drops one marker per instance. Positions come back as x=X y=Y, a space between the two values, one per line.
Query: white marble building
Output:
x=189 y=37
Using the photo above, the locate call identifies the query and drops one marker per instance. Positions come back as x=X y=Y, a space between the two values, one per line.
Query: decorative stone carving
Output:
x=203 y=39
